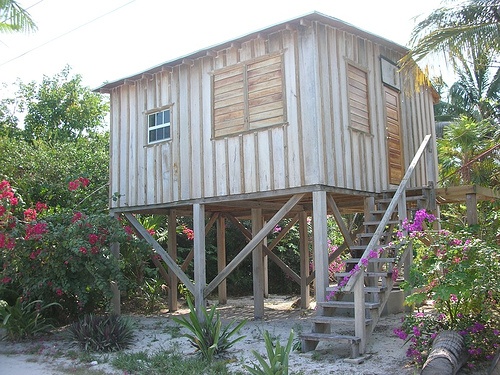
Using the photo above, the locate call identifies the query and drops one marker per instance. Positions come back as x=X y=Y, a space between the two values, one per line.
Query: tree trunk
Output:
x=447 y=356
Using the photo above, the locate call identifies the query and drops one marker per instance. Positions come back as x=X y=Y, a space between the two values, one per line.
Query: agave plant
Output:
x=277 y=355
x=207 y=335
x=102 y=333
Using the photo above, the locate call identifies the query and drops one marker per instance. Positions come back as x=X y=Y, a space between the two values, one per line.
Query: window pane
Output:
x=151 y=120
x=166 y=117
x=152 y=135
x=159 y=118
x=167 y=132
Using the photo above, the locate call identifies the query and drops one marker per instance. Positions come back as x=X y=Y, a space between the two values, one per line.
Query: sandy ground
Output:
x=153 y=333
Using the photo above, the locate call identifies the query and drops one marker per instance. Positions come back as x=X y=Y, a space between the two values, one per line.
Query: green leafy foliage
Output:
x=102 y=333
x=25 y=319
x=459 y=273
x=277 y=357
x=207 y=335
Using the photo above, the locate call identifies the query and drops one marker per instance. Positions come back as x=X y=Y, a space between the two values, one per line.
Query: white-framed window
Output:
x=158 y=126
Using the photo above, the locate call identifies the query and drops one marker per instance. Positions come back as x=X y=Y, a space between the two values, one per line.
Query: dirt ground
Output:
x=385 y=351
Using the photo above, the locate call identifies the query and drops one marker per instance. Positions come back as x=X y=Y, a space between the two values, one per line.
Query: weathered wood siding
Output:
x=316 y=144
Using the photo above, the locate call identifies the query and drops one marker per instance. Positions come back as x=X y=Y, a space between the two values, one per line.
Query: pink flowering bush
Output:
x=460 y=276
x=60 y=257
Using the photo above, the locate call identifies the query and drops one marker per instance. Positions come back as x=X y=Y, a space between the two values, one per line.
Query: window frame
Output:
x=163 y=125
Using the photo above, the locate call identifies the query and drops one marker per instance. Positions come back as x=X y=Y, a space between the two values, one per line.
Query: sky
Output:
x=105 y=40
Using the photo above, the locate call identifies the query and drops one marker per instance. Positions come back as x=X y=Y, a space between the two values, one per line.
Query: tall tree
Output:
x=60 y=108
x=14 y=18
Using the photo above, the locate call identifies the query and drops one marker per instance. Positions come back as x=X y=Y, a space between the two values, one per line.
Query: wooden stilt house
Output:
x=307 y=118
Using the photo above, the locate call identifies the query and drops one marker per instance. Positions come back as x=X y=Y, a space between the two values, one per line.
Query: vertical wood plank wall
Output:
x=315 y=146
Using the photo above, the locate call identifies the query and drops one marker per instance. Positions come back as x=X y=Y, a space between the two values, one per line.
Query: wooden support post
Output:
x=221 y=257
x=258 y=266
x=359 y=313
x=471 y=205
x=265 y=270
x=200 y=274
x=115 y=300
x=172 y=251
x=320 y=244
x=305 y=296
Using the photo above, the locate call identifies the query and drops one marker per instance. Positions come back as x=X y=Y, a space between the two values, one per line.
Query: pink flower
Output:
x=39 y=206
x=73 y=185
x=83 y=250
x=453 y=298
x=34 y=232
x=189 y=233
x=30 y=214
x=6 y=280
x=59 y=292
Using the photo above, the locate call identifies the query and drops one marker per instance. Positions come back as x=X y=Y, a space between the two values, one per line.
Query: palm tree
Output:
x=14 y=18
x=456 y=30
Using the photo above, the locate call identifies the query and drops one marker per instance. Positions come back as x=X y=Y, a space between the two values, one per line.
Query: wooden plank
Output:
x=200 y=273
x=346 y=234
x=221 y=257
x=320 y=244
x=171 y=263
x=268 y=249
x=172 y=251
x=257 y=266
x=253 y=242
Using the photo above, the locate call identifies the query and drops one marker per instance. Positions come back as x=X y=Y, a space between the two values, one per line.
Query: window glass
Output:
x=159 y=126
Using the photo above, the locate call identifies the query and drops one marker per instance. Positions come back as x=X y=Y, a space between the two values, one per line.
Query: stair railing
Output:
x=356 y=281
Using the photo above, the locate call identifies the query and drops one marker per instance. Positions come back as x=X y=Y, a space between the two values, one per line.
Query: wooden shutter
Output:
x=358 y=99
x=229 y=101
x=248 y=96
x=265 y=93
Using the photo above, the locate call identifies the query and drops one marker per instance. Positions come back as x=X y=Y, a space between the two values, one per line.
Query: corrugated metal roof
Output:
x=310 y=17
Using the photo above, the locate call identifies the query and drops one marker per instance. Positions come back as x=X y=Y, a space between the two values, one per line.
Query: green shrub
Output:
x=277 y=356
x=102 y=333
x=208 y=336
x=23 y=320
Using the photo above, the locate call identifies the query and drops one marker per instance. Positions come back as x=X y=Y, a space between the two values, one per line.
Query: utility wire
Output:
x=66 y=33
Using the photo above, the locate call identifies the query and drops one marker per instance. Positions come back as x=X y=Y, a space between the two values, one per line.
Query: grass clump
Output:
x=102 y=333
x=165 y=363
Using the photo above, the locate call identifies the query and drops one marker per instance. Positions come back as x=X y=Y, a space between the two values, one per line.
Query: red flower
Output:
x=84 y=181
x=6 y=280
x=189 y=233
x=94 y=250
x=2 y=210
x=128 y=230
x=93 y=238
x=83 y=250
x=39 y=206
x=35 y=231
x=76 y=216
x=30 y=214
x=59 y=292
x=73 y=185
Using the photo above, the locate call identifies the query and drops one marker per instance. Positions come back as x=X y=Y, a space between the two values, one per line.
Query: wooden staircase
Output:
x=352 y=313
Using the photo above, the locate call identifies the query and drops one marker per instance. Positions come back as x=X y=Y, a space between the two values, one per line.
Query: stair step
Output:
x=347 y=305
x=367 y=289
x=337 y=319
x=410 y=198
x=368 y=274
x=375 y=222
x=329 y=337
x=371 y=260
x=310 y=340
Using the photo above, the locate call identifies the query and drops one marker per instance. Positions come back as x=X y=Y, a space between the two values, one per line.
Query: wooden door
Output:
x=394 y=135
